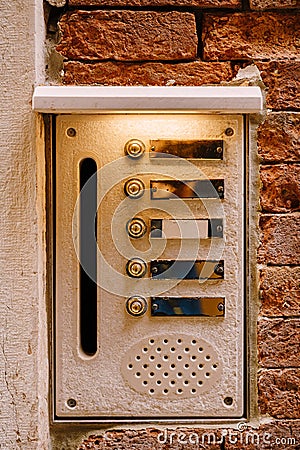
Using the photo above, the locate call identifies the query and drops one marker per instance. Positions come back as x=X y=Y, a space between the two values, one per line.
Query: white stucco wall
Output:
x=23 y=345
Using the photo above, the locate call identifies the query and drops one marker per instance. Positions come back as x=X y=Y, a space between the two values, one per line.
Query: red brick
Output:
x=280 y=190
x=159 y=74
x=273 y=4
x=247 y=36
x=186 y=3
x=280 y=291
x=271 y=436
x=279 y=342
x=282 y=80
x=153 y=439
x=128 y=35
x=279 y=393
x=279 y=137
x=279 y=240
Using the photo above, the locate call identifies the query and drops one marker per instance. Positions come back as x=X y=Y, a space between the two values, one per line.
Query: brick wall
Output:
x=196 y=42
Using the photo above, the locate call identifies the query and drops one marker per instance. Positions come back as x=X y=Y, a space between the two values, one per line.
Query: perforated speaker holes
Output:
x=173 y=366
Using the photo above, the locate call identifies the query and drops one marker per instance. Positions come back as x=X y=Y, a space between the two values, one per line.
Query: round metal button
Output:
x=136 y=228
x=136 y=268
x=134 y=148
x=134 y=188
x=136 y=305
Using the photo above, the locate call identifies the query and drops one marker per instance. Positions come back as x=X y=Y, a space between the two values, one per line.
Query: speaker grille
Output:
x=171 y=366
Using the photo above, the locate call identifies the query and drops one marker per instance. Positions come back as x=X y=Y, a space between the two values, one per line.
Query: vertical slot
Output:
x=88 y=256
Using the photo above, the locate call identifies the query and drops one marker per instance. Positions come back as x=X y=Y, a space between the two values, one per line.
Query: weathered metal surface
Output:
x=186 y=270
x=205 y=149
x=93 y=387
x=172 y=189
x=172 y=366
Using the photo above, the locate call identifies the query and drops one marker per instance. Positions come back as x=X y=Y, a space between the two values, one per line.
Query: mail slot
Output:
x=149 y=266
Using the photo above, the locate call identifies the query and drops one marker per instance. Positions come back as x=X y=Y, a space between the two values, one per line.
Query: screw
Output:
x=229 y=132
x=219 y=270
x=155 y=307
x=228 y=401
x=220 y=189
x=71 y=402
x=219 y=149
x=219 y=228
x=221 y=307
x=71 y=132
x=154 y=270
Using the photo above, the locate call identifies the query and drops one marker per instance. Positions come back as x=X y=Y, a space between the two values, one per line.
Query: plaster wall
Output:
x=23 y=344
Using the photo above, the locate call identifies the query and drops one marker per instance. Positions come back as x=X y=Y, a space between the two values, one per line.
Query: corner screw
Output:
x=228 y=401
x=71 y=402
x=229 y=132
x=71 y=132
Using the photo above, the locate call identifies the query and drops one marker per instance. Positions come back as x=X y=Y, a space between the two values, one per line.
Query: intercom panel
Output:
x=149 y=266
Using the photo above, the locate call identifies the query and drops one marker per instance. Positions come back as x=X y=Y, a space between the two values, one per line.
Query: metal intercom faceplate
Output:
x=168 y=346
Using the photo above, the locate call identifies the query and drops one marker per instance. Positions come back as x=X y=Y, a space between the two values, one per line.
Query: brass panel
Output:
x=172 y=189
x=186 y=270
x=188 y=306
x=192 y=149
x=186 y=228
